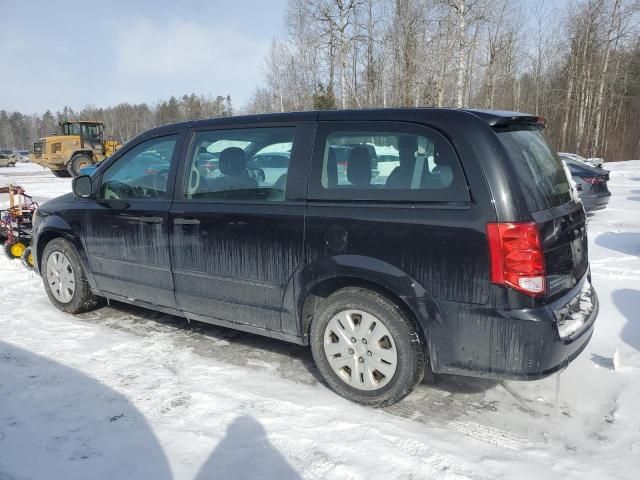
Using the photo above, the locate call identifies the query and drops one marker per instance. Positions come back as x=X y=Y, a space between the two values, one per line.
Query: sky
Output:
x=106 y=52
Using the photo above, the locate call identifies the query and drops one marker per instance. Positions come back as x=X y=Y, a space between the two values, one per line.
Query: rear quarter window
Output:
x=539 y=169
x=385 y=161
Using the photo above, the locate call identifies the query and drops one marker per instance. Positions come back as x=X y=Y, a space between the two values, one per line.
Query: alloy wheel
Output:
x=360 y=350
x=60 y=277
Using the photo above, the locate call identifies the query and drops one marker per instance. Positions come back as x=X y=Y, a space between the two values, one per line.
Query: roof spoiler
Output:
x=499 y=118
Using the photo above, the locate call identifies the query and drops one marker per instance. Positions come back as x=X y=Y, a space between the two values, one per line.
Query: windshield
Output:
x=539 y=169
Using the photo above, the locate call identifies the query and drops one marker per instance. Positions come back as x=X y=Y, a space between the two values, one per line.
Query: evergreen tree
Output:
x=323 y=98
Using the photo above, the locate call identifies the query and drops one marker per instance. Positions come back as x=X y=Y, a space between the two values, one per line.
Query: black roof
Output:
x=491 y=117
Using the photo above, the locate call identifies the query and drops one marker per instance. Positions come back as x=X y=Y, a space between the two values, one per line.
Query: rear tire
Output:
x=61 y=173
x=78 y=162
x=388 y=356
x=64 y=278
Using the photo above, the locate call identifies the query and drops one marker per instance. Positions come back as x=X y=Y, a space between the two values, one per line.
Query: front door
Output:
x=127 y=227
x=237 y=225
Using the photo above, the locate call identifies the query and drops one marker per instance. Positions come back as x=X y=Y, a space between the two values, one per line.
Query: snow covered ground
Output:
x=127 y=393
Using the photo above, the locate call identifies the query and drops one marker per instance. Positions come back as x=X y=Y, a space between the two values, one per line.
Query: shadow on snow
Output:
x=624 y=242
x=246 y=453
x=627 y=301
x=58 y=422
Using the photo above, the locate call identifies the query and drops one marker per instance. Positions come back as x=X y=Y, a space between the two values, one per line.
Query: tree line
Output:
x=575 y=62
x=123 y=122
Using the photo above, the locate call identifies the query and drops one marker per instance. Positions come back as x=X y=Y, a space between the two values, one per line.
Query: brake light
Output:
x=516 y=257
x=593 y=180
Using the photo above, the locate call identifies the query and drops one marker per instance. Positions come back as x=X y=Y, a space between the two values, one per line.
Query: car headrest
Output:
x=444 y=174
x=332 y=169
x=359 y=167
x=232 y=161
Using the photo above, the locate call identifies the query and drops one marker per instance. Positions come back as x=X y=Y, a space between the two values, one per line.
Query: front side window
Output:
x=91 y=131
x=141 y=173
x=239 y=164
x=71 y=129
x=399 y=163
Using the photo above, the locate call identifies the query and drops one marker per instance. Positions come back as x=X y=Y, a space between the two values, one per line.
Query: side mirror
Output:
x=82 y=186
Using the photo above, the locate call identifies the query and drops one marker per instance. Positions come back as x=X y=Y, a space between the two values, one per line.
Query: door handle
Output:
x=151 y=219
x=186 y=221
x=144 y=219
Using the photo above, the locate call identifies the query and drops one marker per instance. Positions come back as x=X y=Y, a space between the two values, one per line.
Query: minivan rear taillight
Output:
x=516 y=257
x=593 y=180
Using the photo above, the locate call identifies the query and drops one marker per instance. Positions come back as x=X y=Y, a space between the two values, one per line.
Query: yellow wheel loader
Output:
x=79 y=145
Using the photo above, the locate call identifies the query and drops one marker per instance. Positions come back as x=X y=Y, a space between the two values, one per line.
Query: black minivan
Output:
x=390 y=241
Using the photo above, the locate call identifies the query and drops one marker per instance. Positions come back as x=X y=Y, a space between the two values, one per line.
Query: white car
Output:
x=274 y=165
x=7 y=161
x=592 y=162
x=23 y=156
x=388 y=159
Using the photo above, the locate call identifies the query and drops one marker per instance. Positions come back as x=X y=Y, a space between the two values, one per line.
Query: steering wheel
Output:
x=112 y=188
x=194 y=180
x=110 y=194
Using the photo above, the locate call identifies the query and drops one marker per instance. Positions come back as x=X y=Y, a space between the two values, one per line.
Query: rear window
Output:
x=539 y=169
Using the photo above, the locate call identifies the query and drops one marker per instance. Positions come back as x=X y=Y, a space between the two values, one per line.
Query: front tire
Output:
x=366 y=347
x=77 y=163
x=64 y=279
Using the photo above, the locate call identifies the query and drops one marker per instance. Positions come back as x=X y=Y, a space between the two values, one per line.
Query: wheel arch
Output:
x=58 y=228
x=380 y=277
x=44 y=238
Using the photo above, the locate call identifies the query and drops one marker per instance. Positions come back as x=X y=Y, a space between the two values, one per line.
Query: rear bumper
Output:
x=522 y=344
x=592 y=203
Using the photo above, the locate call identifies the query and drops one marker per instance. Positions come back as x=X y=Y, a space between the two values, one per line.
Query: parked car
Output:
x=388 y=159
x=596 y=161
x=471 y=258
x=272 y=160
x=7 y=160
x=592 y=162
x=23 y=156
x=590 y=182
x=9 y=154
